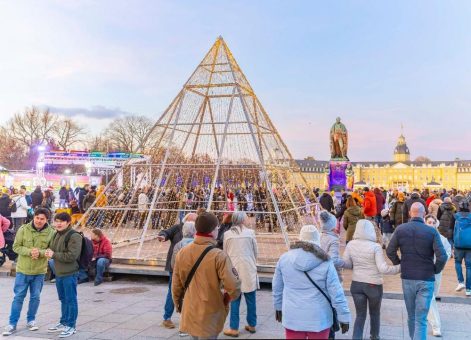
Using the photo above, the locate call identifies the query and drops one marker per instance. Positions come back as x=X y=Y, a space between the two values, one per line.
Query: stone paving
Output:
x=132 y=309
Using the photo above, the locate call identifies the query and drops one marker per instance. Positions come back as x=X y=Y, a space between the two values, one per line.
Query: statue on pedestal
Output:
x=338 y=141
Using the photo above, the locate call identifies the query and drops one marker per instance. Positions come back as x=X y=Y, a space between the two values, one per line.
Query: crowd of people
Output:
x=212 y=262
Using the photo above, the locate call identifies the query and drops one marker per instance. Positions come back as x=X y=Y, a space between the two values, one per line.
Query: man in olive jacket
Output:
x=65 y=249
x=30 y=244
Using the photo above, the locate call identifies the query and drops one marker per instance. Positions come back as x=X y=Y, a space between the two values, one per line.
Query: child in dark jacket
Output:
x=386 y=227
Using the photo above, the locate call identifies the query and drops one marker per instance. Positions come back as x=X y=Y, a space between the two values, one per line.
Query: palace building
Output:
x=401 y=173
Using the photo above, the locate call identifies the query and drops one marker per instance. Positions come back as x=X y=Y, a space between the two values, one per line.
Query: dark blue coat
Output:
x=386 y=225
x=419 y=243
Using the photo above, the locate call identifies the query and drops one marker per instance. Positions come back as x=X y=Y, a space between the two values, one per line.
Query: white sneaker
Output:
x=9 y=330
x=460 y=287
x=67 y=332
x=468 y=292
x=437 y=333
x=57 y=328
x=32 y=326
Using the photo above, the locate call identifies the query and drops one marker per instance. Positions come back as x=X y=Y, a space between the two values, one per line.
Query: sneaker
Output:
x=57 y=328
x=53 y=281
x=250 y=329
x=437 y=333
x=168 y=324
x=97 y=283
x=231 y=332
x=182 y=334
x=67 y=332
x=9 y=330
x=460 y=287
x=32 y=326
x=468 y=292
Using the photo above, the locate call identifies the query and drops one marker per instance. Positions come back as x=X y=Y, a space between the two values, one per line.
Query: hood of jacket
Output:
x=437 y=201
x=355 y=210
x=447 y=206
x=364 y=231
x=302 y=257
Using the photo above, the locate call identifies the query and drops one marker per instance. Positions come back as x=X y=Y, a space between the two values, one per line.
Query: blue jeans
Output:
x=50 y=263
x=418 y=297
x=67 y=291
x=461 y=254
x=169 y=305
x=101 y=264
x=22 y=283
x=82 y=275
x=250 y=299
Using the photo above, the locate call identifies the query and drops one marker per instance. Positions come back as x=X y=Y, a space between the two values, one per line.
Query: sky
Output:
x=376 y=64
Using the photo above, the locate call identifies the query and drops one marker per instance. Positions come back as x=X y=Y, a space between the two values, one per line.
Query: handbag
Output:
x=335 y=322
x=190 y=276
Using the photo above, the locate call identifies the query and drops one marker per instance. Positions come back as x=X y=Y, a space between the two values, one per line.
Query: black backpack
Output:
x=12 y=206
x=86 y=253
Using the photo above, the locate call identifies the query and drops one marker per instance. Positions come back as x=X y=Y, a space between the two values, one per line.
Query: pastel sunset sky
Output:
x=376 y=64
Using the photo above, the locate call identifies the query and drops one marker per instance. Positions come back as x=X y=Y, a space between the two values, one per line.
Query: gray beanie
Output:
x=328 y=221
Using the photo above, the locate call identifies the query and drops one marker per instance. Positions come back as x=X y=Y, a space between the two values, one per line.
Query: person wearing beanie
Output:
x=330 y=241
x=365 y=256
x=202 y=305
x=433 y=316
x=301 y=308
x=386 y=227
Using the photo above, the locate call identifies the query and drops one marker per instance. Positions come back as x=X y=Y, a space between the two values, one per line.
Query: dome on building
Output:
x=401 y=151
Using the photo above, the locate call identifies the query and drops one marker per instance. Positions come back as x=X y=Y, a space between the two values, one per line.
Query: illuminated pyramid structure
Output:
x=213 y=147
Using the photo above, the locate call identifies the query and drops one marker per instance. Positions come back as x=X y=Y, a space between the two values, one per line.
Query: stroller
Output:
x=7 y=250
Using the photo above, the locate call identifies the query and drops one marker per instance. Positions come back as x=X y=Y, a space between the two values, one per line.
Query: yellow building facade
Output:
x=401 y=173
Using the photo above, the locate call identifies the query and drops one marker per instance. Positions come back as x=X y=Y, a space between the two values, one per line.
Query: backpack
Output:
x=86 y=253
x=462 y=233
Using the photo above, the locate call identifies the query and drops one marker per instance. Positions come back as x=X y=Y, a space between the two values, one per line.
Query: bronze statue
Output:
x=338 y=141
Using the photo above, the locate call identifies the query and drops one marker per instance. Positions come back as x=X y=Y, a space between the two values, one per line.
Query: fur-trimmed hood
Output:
x=302 y=258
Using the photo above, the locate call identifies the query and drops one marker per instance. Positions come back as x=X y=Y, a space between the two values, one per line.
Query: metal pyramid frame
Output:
x=214 y=147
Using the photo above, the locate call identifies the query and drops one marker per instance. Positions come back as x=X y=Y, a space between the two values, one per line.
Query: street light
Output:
x=67 y=171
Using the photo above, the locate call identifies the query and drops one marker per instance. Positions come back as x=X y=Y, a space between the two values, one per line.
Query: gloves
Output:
x=344 y=327
x=278 y=315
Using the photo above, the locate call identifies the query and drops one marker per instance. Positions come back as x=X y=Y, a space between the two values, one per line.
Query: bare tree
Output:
x=422 y=159
x=98 y=143
x=67 y=132
x=128 y=133
x=33 y=126
x=13 y=155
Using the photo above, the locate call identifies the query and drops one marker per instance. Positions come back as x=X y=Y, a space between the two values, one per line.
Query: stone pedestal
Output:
x=340 y=175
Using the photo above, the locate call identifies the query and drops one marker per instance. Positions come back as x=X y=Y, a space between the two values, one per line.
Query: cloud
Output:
x=97 y=112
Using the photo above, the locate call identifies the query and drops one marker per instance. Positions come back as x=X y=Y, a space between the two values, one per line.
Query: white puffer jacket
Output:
x=366 y=257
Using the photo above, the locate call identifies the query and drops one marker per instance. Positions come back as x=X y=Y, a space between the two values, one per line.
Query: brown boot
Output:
x=231 y=332
x=250 y=329
x=168 y=324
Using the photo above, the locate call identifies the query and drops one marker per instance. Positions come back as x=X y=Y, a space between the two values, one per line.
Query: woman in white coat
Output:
x=433 y=317
x=366 y=257
x=241 y=246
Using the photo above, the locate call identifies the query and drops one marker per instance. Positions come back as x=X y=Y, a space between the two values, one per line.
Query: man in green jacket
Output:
x=31 y=242
x=65 y=249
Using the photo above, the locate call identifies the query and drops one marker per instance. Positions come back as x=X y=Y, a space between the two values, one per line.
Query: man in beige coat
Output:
x=205 y=306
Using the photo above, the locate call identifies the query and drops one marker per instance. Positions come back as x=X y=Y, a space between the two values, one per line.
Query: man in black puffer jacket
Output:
x=419 y=244
x=36 y=197
x=445 y=215
x=414 y=197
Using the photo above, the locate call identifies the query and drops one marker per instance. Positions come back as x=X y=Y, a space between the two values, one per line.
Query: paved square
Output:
x=132 y=309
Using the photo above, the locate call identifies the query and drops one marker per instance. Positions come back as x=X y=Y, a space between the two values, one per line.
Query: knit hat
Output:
x=206 y=222
x=328 y=221
x=384 y=212
x=309 y=233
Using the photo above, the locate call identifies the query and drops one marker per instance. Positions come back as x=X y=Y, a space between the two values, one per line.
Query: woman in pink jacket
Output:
x=4 y=225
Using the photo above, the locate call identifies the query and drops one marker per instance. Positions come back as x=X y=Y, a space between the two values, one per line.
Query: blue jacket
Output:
x=419 y=243
x=304 y=307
